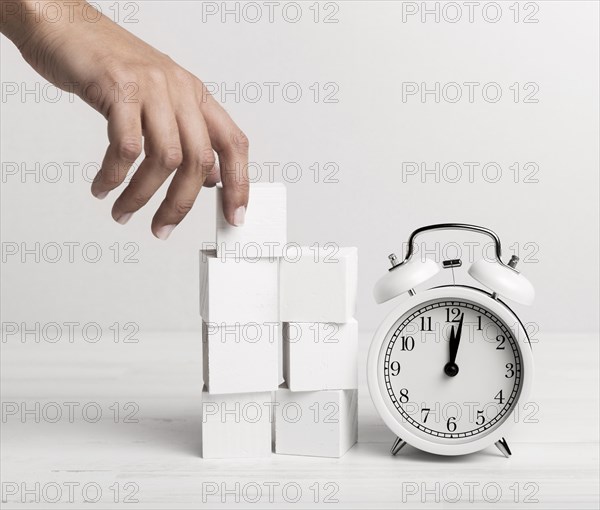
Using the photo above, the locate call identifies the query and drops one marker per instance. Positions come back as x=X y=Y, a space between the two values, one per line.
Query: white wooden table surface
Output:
x=148 y=451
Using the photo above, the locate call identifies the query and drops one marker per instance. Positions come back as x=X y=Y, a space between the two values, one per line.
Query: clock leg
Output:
x=502 y=445
x=398 y=445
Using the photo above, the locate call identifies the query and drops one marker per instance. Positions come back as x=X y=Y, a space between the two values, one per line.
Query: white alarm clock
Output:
x=448 y=366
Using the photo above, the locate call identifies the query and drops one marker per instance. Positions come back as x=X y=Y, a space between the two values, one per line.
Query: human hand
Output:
x=142 y=93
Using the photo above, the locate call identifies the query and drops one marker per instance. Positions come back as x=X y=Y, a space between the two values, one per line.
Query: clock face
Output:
x=450 y=370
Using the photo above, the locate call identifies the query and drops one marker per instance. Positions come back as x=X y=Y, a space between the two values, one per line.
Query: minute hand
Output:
x=451 y=368
x=455 y=340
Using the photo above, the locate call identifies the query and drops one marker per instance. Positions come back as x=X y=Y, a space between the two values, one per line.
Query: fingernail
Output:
x=239 y=216
x=124 y=218
x=163 y=233
x=102 y=195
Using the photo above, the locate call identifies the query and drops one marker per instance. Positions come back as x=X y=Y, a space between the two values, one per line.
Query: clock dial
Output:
x=450 y=370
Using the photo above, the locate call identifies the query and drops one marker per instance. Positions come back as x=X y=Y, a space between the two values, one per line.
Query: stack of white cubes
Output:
x=280 y=341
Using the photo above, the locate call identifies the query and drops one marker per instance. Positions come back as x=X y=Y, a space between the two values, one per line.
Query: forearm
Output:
x=21 y=20
x=59 y=38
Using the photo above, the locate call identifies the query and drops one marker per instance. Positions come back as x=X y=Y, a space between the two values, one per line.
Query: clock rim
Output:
x=485 y=299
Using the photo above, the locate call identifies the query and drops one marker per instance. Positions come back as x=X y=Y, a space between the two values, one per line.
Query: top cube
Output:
x=264 y=233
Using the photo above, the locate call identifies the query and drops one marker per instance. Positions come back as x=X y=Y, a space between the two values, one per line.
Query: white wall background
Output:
x=368 y=133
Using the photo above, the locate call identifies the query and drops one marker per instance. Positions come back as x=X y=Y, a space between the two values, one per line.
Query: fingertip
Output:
x=95 y=188
x=122 y=219
x=163 y=232
x=239 y=216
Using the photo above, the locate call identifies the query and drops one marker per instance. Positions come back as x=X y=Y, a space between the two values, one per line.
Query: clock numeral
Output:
x=395 y=368
x=480 y=418
x=426 y=411
x=407 y=343
x=510 y=371
x=479 y=328
x=499 y=397
x=403 y=396
x=454 y=312
x=451 y=424
x=501 y=339
x=425 y=323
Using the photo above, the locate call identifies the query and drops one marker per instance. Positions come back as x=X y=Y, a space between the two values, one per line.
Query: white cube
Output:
x=264 y=233
x=238 y=291
x=320 y=355
x=315 y=423
x=237 y=425
x=241 y=358
x=318 y=284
